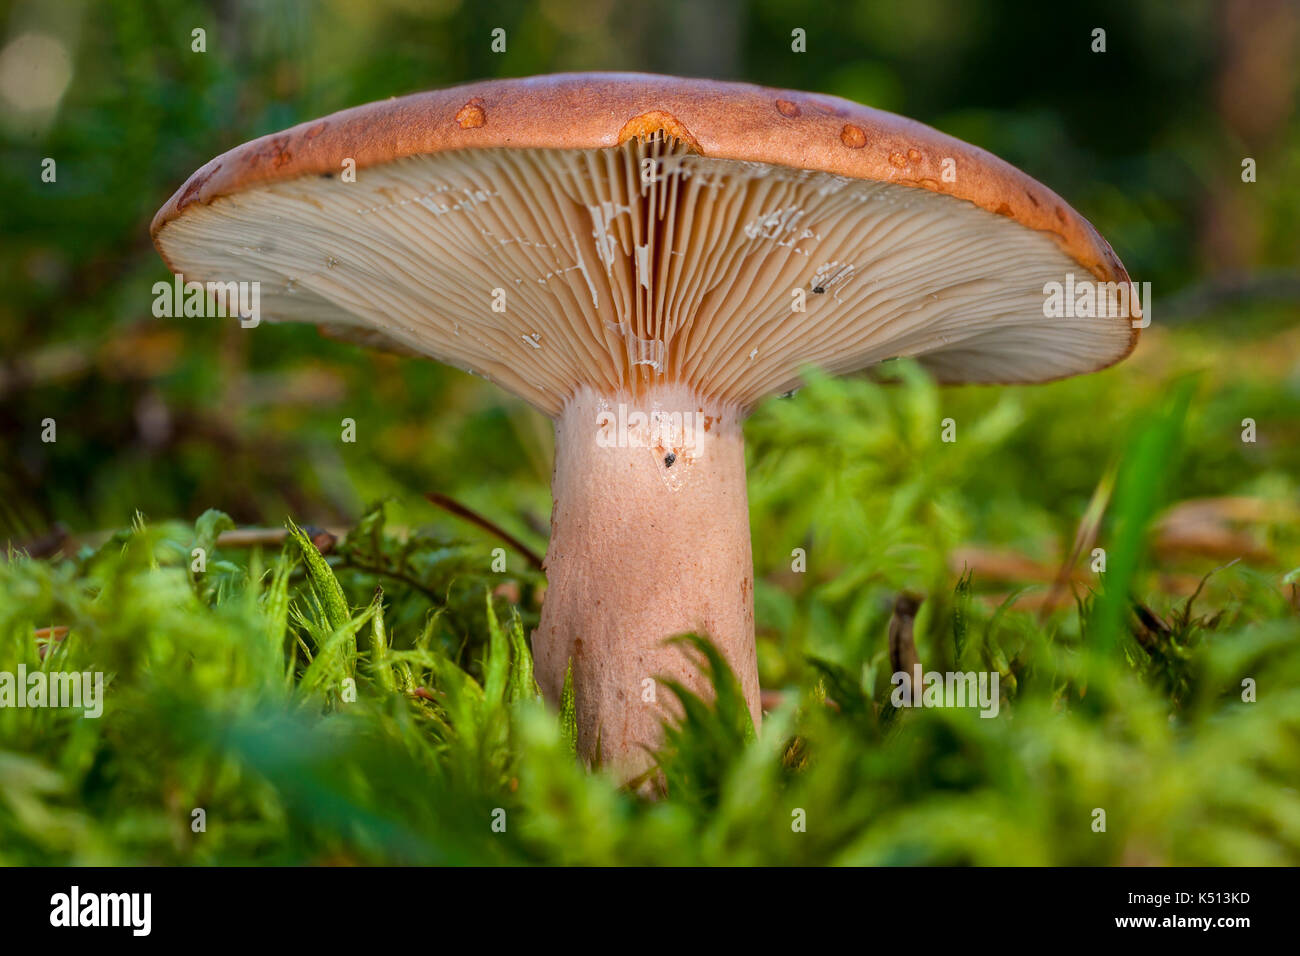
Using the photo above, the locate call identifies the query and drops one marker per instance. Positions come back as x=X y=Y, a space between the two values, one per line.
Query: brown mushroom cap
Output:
x=905 y=241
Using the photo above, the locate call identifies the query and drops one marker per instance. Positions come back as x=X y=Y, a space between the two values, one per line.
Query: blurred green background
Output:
x=173 y=417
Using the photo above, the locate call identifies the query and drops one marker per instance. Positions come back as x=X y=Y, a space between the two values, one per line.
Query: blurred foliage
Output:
x=227 y=685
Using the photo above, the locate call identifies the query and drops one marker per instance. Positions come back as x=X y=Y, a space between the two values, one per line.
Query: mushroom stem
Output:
x=649 y=539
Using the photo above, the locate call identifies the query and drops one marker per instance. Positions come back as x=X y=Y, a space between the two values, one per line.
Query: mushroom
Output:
x=644 y=259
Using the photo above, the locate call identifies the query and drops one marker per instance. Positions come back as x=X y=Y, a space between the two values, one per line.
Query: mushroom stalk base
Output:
x=649 y=539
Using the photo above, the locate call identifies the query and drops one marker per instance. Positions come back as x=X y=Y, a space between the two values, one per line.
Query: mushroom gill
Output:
x=646 y=264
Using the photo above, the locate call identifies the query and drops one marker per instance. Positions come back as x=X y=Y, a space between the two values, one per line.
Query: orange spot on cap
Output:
x=471 y=115
x=655 y=121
